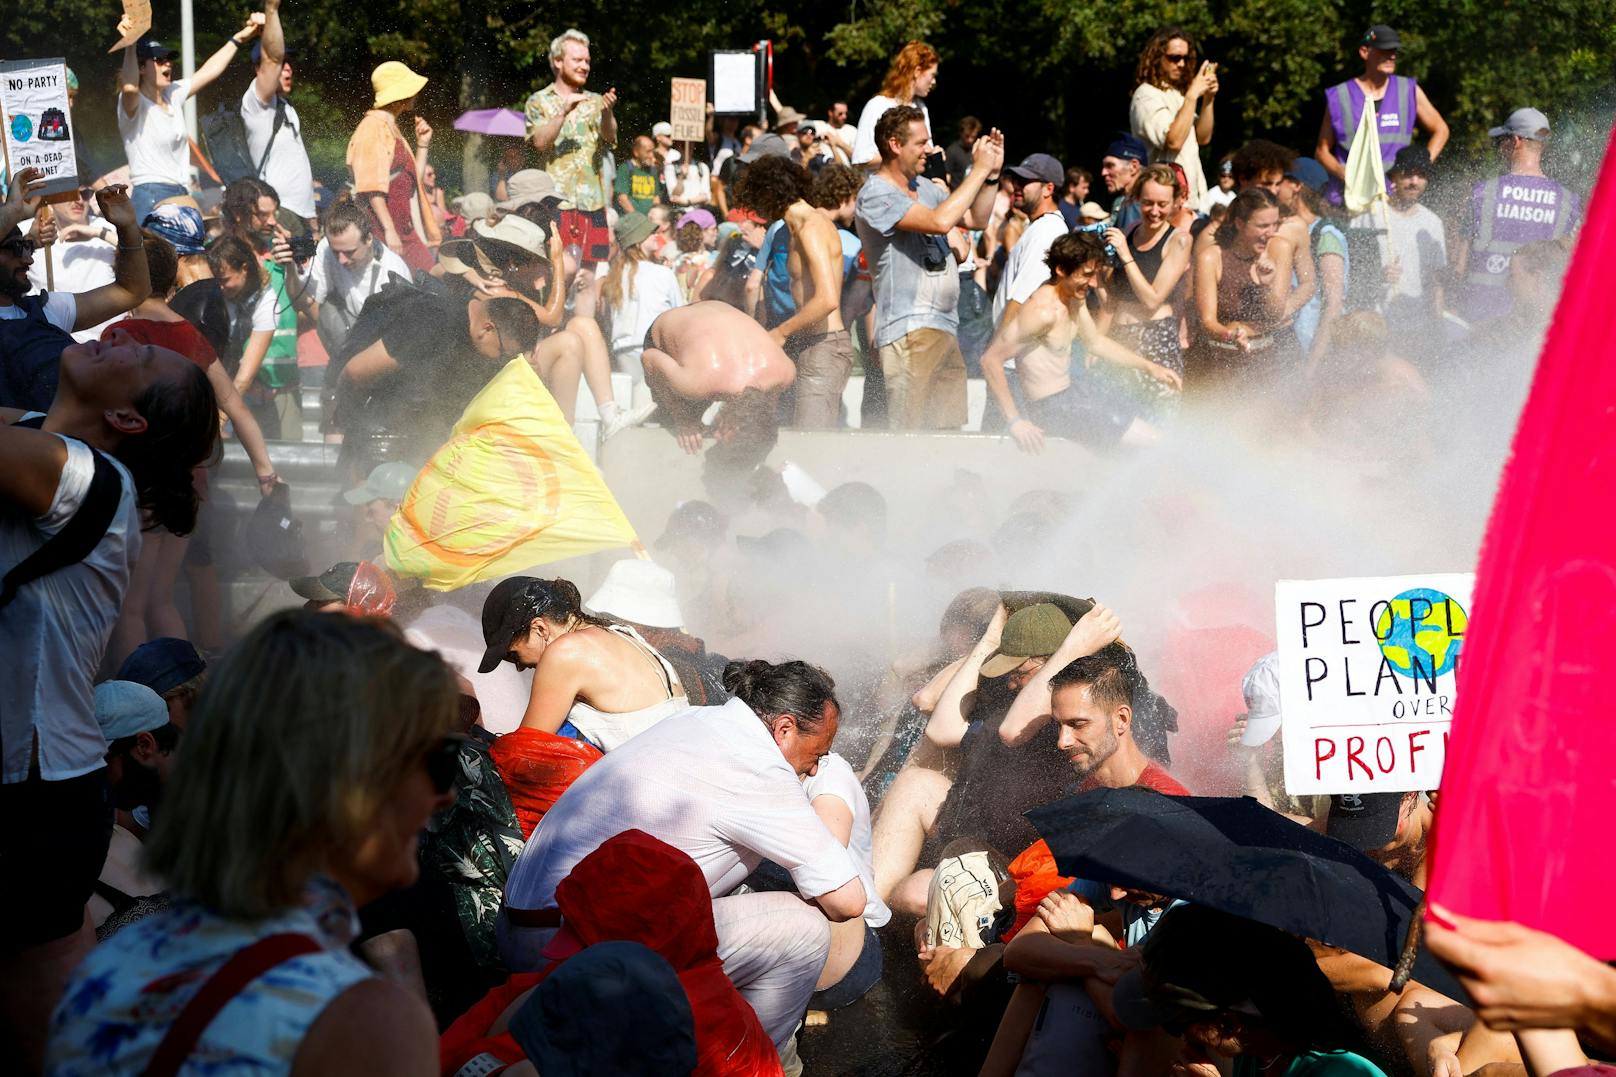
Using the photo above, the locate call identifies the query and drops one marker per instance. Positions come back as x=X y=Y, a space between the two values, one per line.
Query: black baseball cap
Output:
x=1381 y=36
x=698 y=520
x=507 y=611
x=287 y=52
x=332 y=585
x=1413 y=159
x=152 y=49
x=162 y=664
x=1364 y=821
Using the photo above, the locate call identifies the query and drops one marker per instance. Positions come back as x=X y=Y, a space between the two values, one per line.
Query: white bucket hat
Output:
x=1261 y=689
x=641 y=592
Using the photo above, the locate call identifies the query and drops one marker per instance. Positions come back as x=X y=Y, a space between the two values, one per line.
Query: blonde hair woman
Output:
x=320 y=747
x=910 y=78
x=635 y=290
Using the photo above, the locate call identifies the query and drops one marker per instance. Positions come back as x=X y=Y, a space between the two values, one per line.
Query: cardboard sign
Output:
x=138 y=14
x=36 y=122
x=737 y=82
x=687 y=110
x=1367 y=674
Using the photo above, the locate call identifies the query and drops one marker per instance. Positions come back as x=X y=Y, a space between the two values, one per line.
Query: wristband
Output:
x=136 y=247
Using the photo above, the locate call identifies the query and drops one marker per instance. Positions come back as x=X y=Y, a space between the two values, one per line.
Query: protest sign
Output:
x=737 y=81
x=687 y=110
x=134 y=24
x=1367 y=669
x=37 y=133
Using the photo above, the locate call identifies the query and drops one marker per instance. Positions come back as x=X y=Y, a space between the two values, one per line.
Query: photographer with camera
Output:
x=904 y=223
x=1172 y=105
x=330 y=281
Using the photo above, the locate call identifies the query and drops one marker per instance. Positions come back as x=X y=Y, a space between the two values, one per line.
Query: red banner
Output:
x=1524 y=821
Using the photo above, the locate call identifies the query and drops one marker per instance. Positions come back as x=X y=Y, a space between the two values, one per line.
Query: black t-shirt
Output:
x=997 y=783
x=958 y=161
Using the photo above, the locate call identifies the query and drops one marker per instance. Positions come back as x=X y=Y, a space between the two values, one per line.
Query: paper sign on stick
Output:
x=1367 y=669
x=33 y=104
x=137 y=13
x=687 y=111
x=735 y=82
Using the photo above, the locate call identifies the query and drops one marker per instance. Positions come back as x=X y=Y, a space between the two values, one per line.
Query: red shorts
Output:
x=586 y=228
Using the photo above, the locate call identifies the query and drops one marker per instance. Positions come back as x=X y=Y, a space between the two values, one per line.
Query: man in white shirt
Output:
x=274 y=132
x=349 y=266
x=1417 y=244
x=1172 y=106
x=1039 y=178
x=81 y=256
x=722 y=785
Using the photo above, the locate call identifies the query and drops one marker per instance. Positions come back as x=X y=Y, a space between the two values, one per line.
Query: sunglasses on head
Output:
x=442 y=763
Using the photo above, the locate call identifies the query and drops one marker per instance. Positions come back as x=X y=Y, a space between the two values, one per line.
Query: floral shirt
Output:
x=123 y=997
x=574 y=162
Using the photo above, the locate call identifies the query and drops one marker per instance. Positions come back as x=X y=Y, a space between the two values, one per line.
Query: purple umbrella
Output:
x=493 y=121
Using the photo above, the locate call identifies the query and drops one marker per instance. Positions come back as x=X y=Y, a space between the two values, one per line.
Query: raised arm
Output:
x=974 y=194
x=214 y=66
x=129 y=81
x=1031 y=709
x=267 y=79
x=947 y=725
x=131 y=279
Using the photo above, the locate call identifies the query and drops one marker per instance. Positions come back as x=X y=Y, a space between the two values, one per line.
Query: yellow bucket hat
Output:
x=394 y=81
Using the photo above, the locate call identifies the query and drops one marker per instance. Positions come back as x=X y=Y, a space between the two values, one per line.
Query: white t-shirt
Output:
x=864 y=148
x=1151 y=114
x=79 y=267
x=330 y=278
x=709 y=781
x=697 y=189
x=835 y=778
x=1418 y=244
x=656 y=289
x=502 y=692
x=55 y=631
x=155 y=141
x=61 y=310
x=1024 y=268
x=287 y=168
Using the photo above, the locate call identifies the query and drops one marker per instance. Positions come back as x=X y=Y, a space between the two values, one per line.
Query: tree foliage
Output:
x=1054 y=74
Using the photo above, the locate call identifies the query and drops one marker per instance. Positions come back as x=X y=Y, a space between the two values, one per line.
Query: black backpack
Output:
x=224 y=133
x=78 y=537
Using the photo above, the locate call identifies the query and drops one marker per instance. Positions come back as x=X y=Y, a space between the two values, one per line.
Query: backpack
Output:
x=224 y=133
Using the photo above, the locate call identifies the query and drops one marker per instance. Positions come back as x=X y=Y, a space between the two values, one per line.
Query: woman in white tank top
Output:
x=593 y=678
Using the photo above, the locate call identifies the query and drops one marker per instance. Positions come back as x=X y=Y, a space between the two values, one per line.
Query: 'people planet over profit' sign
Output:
x=1367 y=675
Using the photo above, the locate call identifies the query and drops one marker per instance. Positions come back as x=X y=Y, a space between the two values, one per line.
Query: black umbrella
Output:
x=1234 y=854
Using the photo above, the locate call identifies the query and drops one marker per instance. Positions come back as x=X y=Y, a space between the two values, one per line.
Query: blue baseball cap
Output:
x=287 y=52
x=124 y=708
x=152 y=49
x=1308 y=172
x=162 y=664
x=1128 y=146
x=180 y=225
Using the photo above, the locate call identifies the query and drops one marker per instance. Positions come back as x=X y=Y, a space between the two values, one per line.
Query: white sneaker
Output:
x=622 y=420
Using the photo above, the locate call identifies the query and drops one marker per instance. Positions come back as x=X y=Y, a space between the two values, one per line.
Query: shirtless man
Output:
x=1039 y=337
x=814 y=336
x=710 y=351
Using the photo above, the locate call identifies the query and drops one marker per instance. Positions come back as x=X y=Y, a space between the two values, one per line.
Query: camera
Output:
x=1099 y=228
x=303 y=247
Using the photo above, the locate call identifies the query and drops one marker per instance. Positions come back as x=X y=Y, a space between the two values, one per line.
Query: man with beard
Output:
x=1037 y=180
x=35 y=328
x=141 y=742
x=1092 y=702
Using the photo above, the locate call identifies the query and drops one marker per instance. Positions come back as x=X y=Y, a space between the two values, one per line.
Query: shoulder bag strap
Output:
x=280 y=121
x=81 y=534
x=231 y=979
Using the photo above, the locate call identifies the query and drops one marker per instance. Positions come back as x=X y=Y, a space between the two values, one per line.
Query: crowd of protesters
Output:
x=576 y=837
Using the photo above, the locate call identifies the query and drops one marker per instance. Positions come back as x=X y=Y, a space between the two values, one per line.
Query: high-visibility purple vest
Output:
x=1395 y=115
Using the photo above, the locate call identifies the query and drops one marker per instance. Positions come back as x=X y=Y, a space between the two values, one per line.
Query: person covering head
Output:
x=180 y=225
x=393 y=82
x=640 y=592
x=528 y=185
x=162 y=664
x=615 y=1010
x=386 y=482
x=1034 y=631
x=126 y=708
x=1527 y=123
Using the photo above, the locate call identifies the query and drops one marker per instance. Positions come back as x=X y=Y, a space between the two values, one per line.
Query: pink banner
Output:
x=1524 y=822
